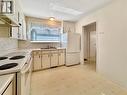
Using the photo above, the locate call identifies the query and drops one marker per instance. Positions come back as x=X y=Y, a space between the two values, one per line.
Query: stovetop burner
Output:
x=3 y=58
x=8 y=66
x=17 y=57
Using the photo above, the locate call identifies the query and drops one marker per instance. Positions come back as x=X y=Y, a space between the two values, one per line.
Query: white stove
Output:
x=21 y=63
x=7 y=60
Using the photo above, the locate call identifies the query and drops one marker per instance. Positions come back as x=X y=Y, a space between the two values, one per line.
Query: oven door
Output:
x=26 y=78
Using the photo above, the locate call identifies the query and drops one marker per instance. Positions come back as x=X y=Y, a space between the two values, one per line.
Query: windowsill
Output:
x=45 y=41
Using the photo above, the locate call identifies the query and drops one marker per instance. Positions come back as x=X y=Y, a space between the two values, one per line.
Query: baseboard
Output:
x=72 y=65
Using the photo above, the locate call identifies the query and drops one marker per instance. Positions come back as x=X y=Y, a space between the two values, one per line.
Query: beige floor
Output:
x=76 y=80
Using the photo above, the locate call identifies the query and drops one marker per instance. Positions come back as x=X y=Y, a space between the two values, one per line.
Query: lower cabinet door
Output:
x=61 y=59
x=37 y=62
x=54 y=59
x=45 y=61
x=9 y=90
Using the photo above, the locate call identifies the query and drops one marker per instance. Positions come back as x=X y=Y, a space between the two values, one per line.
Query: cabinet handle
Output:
x=39 y=56
x=20 y=24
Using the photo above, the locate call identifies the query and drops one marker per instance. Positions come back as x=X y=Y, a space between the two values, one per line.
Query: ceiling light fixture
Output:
x=51 y=18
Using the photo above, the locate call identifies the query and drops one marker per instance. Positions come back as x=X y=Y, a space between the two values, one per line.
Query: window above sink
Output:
x=45 y=34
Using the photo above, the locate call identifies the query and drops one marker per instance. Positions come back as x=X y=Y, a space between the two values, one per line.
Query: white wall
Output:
x=111 y=40
x=7 y=44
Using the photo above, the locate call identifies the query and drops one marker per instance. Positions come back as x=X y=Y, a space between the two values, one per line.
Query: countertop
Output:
x=34 y=49
x=4 y=82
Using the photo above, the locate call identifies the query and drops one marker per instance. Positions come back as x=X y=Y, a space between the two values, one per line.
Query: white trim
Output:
x=45 y=41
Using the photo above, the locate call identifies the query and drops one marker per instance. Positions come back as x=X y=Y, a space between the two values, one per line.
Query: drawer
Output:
x=37 y=52
x=54 y=51
x=62 y=51
x=45 y=51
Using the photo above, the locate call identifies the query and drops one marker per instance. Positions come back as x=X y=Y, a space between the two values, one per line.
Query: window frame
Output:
x=39 y=41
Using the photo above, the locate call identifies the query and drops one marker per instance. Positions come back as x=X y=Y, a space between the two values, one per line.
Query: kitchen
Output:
x=42 y=53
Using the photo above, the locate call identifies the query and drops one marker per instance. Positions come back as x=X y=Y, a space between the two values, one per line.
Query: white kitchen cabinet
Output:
x=54 y=59
x=37 y=60
x=22 y=27
x=11 y=89
x=10 y=13
x=16 y=10
x=14 y=32
x=16 y=20
x=61 y=57
x=46 y=60
x=43 y=59
x=22 y=23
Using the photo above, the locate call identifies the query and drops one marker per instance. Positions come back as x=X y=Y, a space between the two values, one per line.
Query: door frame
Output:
x=88 y=51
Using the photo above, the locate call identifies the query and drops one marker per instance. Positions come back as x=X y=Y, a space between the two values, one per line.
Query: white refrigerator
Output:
x=72 y=43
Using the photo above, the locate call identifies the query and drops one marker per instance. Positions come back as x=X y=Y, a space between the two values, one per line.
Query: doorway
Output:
x=90 y=45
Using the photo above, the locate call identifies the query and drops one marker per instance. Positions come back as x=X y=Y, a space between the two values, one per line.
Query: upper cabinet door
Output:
x=9 y=12
x=16 y=10
x=22 y=26
x=16 y=19
x=14 y=32
x=24 y=29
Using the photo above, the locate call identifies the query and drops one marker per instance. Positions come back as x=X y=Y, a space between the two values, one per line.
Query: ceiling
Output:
x=71 y=10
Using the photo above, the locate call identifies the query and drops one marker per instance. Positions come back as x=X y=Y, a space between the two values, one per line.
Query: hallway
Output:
x=75 y=80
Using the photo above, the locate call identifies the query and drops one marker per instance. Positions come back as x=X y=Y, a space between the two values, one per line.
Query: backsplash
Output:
x=7 y=45
x=29 y=45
